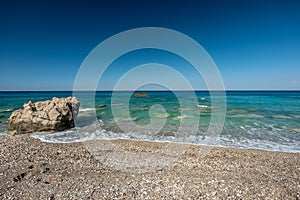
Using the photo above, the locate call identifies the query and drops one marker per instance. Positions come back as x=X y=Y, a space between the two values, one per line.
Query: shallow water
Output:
x=267 y=120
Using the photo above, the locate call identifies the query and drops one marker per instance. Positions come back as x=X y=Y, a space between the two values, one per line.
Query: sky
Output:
x=254 y=43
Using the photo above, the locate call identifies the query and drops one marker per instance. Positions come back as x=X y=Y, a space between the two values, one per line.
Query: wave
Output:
x=6 y=110
x=292 y=147
x=267 y=138
x=86 y=109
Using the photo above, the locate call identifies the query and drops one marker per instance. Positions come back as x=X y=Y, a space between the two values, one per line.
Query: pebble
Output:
x=75 y=174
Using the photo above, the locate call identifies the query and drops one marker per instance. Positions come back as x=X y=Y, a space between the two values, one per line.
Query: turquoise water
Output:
x=268 y=120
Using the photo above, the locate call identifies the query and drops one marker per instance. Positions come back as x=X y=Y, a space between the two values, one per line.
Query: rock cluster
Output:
x=57 y=114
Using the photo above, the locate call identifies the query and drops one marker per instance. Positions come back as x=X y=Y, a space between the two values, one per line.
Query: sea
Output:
x=267 y=120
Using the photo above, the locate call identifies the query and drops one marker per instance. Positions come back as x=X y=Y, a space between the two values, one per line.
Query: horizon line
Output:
x=230 y=90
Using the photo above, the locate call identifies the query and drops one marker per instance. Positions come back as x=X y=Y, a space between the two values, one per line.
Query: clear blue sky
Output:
x=255 y=43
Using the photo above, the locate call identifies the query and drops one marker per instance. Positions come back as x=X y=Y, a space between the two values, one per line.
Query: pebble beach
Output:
x=31 y=169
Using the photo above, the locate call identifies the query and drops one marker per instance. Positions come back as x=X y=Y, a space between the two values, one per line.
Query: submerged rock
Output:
x=57 y=114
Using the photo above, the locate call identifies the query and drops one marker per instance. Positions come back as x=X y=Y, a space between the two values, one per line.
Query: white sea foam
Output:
x=202 y=106
x=267 y=138
x=260 y=144
x=86 y=109
x=282 y=116
x=6 y=110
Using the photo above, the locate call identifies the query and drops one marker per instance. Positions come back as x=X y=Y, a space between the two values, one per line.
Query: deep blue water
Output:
x=254 y=119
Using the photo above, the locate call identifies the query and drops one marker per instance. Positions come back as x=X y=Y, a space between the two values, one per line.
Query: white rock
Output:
x=55 y=115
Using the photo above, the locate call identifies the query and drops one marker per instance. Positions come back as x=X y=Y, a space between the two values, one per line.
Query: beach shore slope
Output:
x=31 y=169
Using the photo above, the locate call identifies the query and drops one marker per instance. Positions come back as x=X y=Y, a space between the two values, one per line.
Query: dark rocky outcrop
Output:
x=57 y=114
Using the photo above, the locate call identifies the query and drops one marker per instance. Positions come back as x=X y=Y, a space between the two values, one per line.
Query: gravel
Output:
x=31 y=169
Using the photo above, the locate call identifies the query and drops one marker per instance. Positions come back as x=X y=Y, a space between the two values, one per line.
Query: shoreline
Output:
x=158 y=141
x=30 y=168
